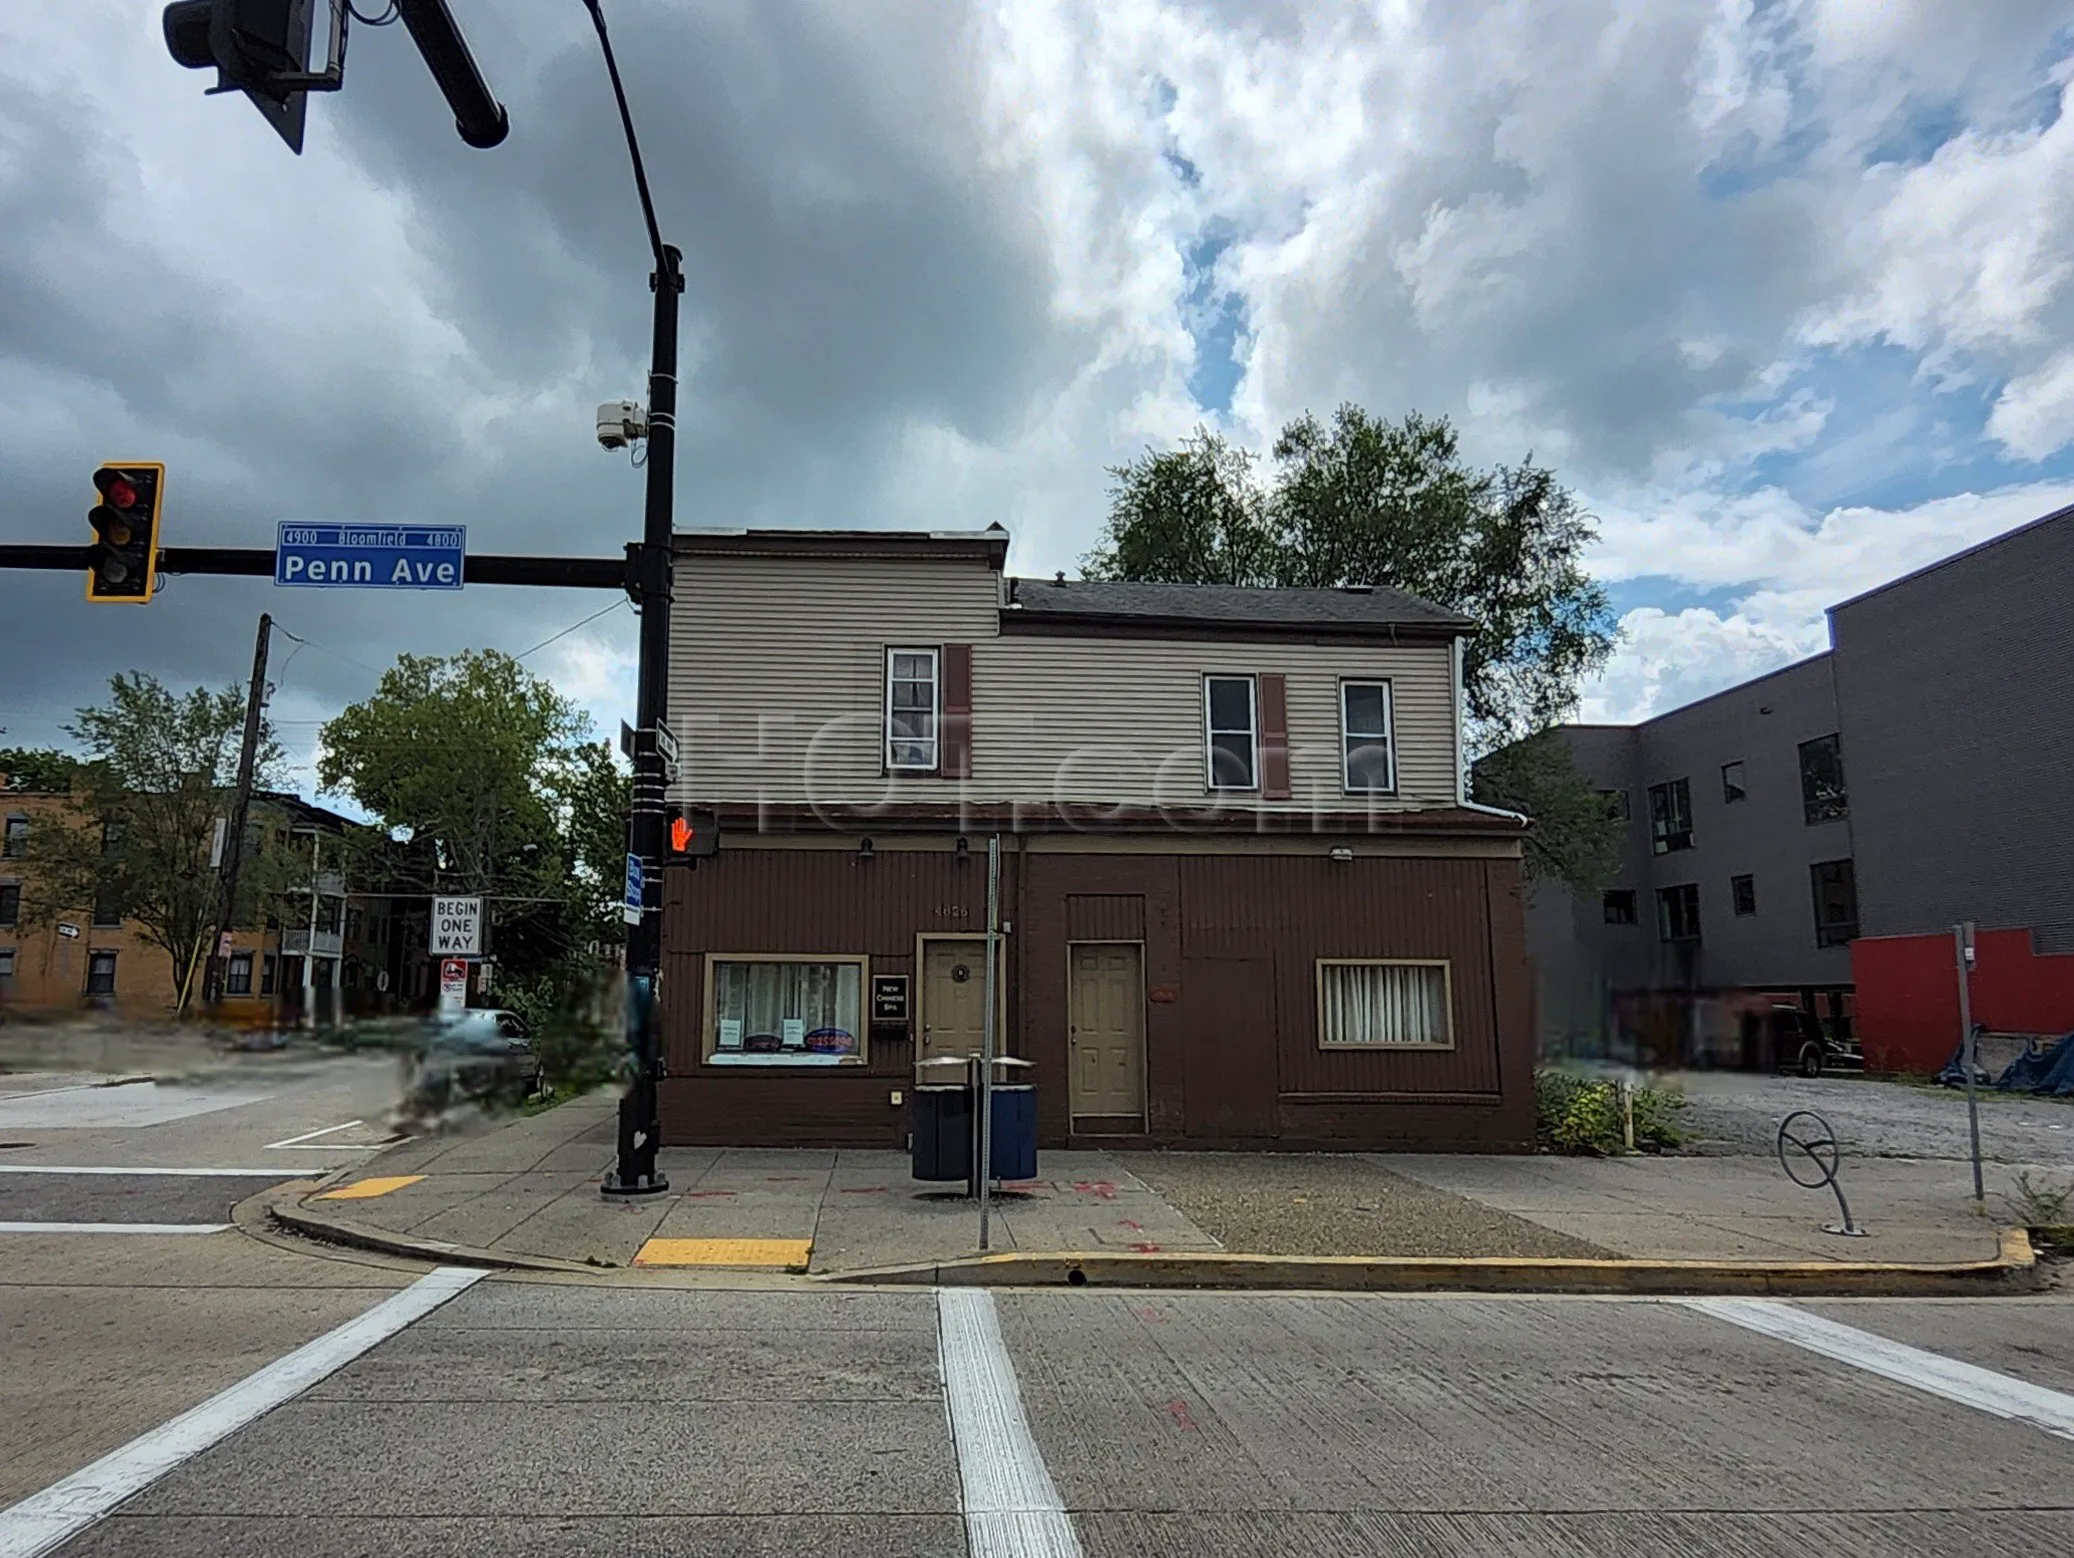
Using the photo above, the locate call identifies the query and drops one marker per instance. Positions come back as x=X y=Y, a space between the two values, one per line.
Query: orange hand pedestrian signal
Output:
x=692 y=832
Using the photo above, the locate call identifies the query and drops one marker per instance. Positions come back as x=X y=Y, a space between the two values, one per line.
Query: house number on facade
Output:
x=953 y=911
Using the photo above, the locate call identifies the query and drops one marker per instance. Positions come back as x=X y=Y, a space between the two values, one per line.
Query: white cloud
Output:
x=937 y=268
x=1787 y=567
x=2034 y=414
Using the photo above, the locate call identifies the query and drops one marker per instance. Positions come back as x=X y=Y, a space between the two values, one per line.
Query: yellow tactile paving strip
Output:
x=765 y=1254
x=368 y=1189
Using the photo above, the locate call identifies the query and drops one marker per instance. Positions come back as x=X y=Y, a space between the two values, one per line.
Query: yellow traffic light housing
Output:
x=122 y=563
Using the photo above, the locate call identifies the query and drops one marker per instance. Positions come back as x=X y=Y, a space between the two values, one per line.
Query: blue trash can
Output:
x=1014 y=1154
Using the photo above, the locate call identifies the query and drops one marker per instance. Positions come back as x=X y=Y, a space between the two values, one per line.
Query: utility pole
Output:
x=639 y=1128
x=240 y=805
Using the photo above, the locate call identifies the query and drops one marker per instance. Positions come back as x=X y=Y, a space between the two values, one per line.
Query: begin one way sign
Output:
x=457 y=927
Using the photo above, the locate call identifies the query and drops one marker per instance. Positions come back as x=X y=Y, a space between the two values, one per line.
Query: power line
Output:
x=571 y=628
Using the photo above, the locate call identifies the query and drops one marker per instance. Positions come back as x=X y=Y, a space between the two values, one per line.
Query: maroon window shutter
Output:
x=957 y=712
x=1274 y=738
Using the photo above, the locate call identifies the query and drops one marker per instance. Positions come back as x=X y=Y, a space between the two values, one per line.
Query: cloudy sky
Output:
x=1784 y=289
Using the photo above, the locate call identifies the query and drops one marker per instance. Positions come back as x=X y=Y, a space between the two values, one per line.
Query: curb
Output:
x=2013 y=1271
x=288 y=1211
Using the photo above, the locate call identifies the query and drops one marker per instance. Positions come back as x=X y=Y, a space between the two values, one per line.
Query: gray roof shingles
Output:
x=1376 y=607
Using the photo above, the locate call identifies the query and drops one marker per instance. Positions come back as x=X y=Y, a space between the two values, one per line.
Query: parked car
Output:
x=481 y=1056
x=1800 y=1043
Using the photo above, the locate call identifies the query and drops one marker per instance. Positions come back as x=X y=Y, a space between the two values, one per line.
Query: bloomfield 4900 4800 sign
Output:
x=371 y=557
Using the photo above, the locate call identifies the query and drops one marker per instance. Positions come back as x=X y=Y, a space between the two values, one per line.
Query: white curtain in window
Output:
x=761 y=996
x=1384 y=1003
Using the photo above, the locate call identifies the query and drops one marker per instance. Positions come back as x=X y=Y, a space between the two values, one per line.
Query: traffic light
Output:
x=258 y=47
x=122 y=563
x=262 y=48
x=690 y=833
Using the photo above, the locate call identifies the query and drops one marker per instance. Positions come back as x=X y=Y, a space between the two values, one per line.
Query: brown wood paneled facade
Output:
x=1231 y=940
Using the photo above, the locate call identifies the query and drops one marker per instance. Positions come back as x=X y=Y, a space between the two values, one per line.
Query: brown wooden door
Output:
x=954 y=1000
x=1228 y=1076
x=1106 y=1033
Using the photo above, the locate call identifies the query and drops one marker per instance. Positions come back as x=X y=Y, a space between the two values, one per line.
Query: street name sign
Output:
x=456 y=927
x=630 y=906
x=370 y=557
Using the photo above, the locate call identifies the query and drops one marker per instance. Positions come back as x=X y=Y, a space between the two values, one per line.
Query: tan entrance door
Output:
x=1106 y=1035
x=954 y=998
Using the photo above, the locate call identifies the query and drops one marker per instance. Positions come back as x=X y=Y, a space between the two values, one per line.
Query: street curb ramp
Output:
x=2014 y=1270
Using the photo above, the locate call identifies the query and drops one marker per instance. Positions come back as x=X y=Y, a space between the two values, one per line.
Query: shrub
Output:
x=1582 y=1116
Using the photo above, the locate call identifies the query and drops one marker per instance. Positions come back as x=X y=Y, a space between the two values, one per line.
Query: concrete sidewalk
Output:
x=1720 y=1208
x=526 y=1192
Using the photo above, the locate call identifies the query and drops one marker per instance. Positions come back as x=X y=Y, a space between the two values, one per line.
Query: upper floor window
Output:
x=1618 y=905
x=1231 y=740
x=1678 y=912
x=10 y=903
x=1670 y=816
x=1822 y=794
x=16 y=843
x=1732 y=787
x=1742 y=894
x=1836 y=902
x=1367 y=763
x=911 y=709
x=107 y=910
x=1617 y=804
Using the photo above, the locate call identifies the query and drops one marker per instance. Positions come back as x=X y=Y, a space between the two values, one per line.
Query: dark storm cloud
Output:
x=851 y=262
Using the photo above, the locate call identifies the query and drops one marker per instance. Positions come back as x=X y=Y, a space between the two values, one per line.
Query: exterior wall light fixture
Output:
x=1342 y=854
x=864 y=849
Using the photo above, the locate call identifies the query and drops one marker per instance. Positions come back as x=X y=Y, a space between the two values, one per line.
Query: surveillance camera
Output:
x=620 y=422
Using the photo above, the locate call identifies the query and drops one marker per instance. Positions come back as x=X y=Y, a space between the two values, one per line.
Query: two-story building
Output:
x=1244 y=901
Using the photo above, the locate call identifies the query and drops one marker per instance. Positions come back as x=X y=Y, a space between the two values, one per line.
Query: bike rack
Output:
x=1820 y=1150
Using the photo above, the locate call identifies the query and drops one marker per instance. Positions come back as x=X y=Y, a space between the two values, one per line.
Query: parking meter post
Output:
x=988 y=1041
x=1969 y=1048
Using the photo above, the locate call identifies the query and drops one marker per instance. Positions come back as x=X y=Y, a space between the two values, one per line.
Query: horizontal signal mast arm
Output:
x=573 y=573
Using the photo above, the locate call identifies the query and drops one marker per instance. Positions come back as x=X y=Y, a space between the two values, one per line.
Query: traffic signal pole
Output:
x=639 y=1127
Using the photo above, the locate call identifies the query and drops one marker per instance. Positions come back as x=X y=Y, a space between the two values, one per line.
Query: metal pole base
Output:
x=1847 y=1230
x=649 y=1185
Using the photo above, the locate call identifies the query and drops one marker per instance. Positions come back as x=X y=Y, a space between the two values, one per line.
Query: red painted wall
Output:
x=1908 y=994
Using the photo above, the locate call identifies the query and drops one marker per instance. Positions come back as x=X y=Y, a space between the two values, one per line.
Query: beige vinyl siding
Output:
x=1121 y=720
x=778 y=670
x=777 y=687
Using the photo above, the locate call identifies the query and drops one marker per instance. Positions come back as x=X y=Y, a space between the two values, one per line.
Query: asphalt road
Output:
x=106 y=1331
x=523 y=1418
x=364 y=1407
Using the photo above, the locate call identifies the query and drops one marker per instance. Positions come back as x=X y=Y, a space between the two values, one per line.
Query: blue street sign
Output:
x=632 y=904
x=371 y=557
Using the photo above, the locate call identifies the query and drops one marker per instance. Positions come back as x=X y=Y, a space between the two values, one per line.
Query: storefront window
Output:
x=786 y=1012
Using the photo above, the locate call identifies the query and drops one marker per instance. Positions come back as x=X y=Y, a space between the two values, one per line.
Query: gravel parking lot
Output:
x=1734 y=1113
x=1265 y=1203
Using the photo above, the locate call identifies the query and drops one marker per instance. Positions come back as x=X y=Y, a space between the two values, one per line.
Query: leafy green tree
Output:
x=1364 y=500
x=1575 y=840
x=461 y=752
x=1369 y=501
x=486 y=783
x=136 y=836
x=40 y=769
